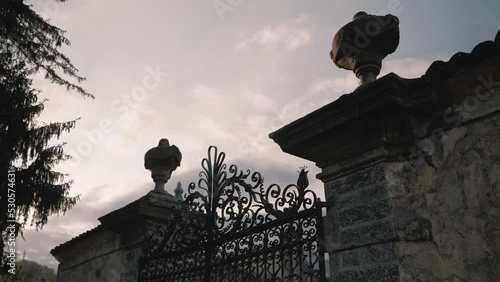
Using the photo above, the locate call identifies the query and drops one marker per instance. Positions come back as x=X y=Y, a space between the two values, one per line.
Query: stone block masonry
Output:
x=411 y=168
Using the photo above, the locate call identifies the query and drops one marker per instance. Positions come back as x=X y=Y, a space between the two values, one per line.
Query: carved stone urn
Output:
x=162 y=161
x=362 y=44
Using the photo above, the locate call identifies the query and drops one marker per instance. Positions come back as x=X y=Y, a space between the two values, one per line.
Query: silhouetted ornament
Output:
x=439 y=71
x=484 y=50
x=178 y=192
x=303 y=182
x=362 y=44
x=162 y=161
x=435 y=72
x=462 y=59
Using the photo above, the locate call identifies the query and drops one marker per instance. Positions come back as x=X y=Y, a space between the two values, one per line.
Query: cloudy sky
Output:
x=224 y=73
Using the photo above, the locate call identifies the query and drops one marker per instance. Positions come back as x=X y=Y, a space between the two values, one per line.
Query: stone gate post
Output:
x=412 y=167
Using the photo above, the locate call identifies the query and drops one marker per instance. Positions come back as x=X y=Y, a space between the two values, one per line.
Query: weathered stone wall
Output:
x=110 y=252
x=96 y=258
x=435 y=220
x=454 y=200
x=448 y=193
x=454 y=191
x=359 y=228
x=431 y=213
x=103 y=256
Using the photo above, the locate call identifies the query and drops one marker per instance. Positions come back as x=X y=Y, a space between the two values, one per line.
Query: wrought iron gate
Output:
x=231 y=228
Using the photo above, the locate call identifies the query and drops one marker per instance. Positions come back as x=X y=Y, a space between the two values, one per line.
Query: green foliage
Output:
x=36 y=42
x=29 y=45
x=30 y=271
x=39 y=190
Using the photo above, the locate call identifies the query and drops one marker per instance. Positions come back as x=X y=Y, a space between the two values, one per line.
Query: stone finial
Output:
x=162 y=161
x=362 y=44
x=178 y=192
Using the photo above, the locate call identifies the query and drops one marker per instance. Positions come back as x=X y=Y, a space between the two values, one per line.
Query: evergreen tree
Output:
x=36 y=42
x=29 y=45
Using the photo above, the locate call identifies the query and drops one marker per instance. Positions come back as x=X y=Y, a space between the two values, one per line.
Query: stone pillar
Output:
x=412 y=168
x=133 y=222
x=111 y=251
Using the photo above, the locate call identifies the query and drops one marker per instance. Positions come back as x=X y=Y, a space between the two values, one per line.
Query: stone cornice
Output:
x=357 y=122
x=152 y=206
x=390 y=113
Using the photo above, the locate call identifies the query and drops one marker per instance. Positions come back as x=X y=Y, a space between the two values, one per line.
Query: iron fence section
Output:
x=231 y=228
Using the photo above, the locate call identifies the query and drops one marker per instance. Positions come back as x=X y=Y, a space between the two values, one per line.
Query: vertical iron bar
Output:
x=210 y=214
x=301 y=261
x=320 y=239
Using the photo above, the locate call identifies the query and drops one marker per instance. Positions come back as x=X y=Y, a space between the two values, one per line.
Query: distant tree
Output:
x=29 y=45
x=31 y=271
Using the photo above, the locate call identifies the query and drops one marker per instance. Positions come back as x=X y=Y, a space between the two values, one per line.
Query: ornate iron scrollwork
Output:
x=230 y=223
x=235 y=200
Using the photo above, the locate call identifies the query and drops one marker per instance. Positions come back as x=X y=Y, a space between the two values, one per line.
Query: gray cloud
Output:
x=215 y=94
x=289 y=34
